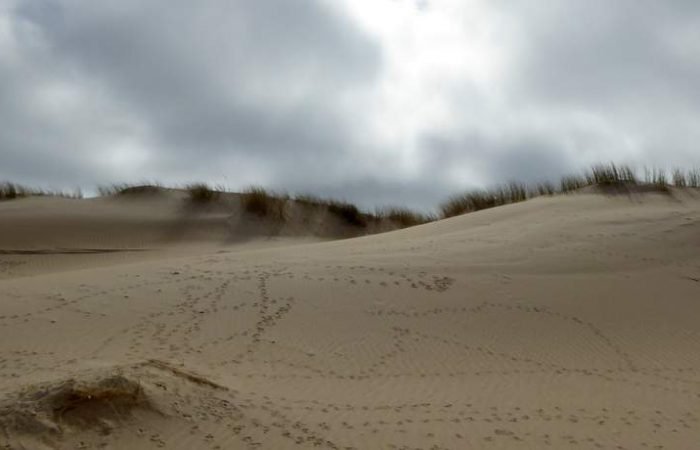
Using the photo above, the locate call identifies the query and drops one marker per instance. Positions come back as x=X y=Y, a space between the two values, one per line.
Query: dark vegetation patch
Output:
x=13 y=191
x=263 y=203
x=129 y=189
x=201 y=193
x=607 y=178
x=403 y=217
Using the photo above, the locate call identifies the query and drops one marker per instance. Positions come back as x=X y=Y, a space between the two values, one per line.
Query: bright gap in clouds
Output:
x=429 y=49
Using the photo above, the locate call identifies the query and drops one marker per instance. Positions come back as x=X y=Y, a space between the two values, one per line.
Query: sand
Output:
x=569 y=322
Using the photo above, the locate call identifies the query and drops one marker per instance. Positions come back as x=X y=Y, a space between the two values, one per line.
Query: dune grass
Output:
x=256 y=200
x=692 y=178
x=656 y=179
x=348 y=212
x=479 y=199
x=107 y=190
x=402 y=217
x=542 y=188
x=611 y=175
x=201 y=193
x=13 y=191
x=263 y=203
x=608 y=177
x=572 y=183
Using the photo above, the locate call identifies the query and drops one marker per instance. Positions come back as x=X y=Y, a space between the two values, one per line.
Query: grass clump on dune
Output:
x=480 y=199
x=262 y=203
x=11 y=191
x=571 y=183
x=310 y=200
x=542 y=189
x=201 y=193
x=608 y=177
x=656 y=179
x=348 y=212
x=403 y=217
x=611 y=175
x=128 y=189
x=352 y=215
x=692 y=178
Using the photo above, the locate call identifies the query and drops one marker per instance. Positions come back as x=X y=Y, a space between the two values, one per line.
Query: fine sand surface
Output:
x=570 y=322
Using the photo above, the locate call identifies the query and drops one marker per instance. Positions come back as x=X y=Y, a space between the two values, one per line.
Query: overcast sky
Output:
x=378 y=101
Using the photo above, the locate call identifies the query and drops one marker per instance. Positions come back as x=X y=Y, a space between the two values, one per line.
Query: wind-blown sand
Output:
x=565 y=322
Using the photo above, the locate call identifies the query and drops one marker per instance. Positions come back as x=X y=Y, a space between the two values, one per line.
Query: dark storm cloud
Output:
x=212 y=79
x=289 y=94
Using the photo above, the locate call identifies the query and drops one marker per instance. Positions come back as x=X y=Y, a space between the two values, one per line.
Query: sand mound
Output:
x=55 y=411
x=151 y=222
x=89 y=407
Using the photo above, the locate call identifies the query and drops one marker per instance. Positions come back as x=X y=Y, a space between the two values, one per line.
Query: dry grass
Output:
x=349 y=213
x=263 y=203
x=82 y=404
x=611 y=175
x=610 y=178
x=352 y=215
x=690 y=178
x=572 y=183
x=129 y=189
x=310 y=201
x=478 y=200
x=202 y=193
x=402 y=217
x=656 y=179
x=542 y=188
x=13 y=191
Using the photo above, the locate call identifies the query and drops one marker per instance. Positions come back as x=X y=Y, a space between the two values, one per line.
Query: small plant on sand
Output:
x=403 y=217
x=310 y=200
x=679 y=179
x=611 y=175
x=571 y=183
x=543 y=188
x=693 y=178
x=128 y=189
x=201 y=193
x=656 y=179
x=11 y=191
x=258 y=201
x=690 y=178
x=348 y=212
x=477 y=200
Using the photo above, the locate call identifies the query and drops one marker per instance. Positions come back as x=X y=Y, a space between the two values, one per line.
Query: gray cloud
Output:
x=289 y=94
x=252 y=81
x=602 y=54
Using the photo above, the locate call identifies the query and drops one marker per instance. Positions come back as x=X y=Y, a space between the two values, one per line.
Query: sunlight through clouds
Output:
x=427 y=96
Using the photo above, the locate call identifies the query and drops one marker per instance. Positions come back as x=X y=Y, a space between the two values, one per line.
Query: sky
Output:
x=380 y=102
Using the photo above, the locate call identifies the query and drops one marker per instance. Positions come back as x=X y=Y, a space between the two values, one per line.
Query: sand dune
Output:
x=563 y=322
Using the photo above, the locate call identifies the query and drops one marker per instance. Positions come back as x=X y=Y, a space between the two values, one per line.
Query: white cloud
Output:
x=411 y=98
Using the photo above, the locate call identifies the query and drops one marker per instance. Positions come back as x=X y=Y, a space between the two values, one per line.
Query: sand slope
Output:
x=567 y=322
